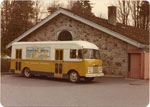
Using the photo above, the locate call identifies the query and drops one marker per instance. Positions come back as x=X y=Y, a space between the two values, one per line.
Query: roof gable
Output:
x=83 y=20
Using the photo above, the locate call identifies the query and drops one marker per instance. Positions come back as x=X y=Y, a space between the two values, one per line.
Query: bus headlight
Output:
x=90 y=69
x=94 y=69
x=99 y=69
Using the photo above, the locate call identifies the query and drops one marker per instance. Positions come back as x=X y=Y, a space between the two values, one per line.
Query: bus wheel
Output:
x=89 y=79
x=27 y=72
x=74 y=77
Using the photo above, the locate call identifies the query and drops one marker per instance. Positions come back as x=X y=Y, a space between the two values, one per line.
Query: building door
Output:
x=59 y=63
x=135 y=65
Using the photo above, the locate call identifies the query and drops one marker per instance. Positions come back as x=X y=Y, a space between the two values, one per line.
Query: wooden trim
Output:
x=135 y=51
x=142 y=65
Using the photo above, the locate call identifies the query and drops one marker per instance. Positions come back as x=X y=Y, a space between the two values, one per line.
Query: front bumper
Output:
x=94 y=75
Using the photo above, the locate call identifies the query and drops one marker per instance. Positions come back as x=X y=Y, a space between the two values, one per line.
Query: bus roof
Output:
x=63 y=44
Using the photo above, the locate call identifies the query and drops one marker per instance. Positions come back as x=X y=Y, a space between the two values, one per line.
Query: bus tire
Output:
x=27 y=72
x=74 y=77
x=89 y=79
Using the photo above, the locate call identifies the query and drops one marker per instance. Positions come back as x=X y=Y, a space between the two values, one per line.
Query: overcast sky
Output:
x=99 y=6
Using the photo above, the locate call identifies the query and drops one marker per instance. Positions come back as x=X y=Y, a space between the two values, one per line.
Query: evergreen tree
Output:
x=19 y=20
x=5 y=13
x=144 y=14
x=37 y=10
x=21 y=15
x=55 y=5
x=87 y=8
x=82 y=7
x=140 y=13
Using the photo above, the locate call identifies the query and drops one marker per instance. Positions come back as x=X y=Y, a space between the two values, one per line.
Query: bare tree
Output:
x=135 y=8
x=140 y=13
x=5 y=12
x=55 y=5
x=123 y=11
x=70 y=4
x=37 y=11
x=5 y=19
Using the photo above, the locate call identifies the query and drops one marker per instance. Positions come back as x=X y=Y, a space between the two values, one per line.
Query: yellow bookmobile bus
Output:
x=61 y=59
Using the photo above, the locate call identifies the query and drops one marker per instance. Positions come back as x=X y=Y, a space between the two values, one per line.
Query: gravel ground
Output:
x=105 y=91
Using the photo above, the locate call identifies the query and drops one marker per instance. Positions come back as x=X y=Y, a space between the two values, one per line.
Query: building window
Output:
x=65 y=36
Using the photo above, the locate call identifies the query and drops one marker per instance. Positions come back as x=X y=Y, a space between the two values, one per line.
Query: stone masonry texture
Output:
x=113 y=51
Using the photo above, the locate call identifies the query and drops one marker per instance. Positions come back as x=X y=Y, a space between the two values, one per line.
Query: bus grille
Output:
x=95 y=69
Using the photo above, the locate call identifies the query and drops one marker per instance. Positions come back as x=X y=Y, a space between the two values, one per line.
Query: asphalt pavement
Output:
x=40 y=91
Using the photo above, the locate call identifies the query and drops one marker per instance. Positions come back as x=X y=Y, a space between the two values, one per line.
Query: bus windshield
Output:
x=90 y=54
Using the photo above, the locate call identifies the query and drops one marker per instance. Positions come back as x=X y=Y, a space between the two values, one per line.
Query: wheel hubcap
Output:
x=27 y=73
x=74 y=76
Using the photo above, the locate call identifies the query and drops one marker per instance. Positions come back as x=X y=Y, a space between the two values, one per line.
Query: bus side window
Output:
x=18 y=53
x=72 y=53
x=57 y=55
x=61 y=54
x=80 y=53
x=56 y=68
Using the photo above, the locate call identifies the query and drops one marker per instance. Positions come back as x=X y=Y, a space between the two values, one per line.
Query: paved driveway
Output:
x=38 y=91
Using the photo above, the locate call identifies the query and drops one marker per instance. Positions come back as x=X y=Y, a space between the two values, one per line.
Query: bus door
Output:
x=18 y=60
x=59 y=63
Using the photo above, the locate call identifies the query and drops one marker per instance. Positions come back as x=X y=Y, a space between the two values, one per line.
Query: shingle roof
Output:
x=137 y=34
x=134 y=36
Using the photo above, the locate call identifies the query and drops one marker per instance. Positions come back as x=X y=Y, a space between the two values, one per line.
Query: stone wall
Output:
x=113 y=51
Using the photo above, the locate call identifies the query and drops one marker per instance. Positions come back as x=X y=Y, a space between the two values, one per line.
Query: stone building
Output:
x=123 y=49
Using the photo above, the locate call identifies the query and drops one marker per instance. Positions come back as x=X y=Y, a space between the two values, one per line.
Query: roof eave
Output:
x=144 y=46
